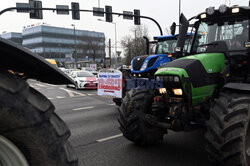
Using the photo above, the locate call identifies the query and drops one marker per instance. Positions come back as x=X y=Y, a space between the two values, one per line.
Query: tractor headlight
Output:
x=236 y=10
x=162 y=90
x=159 y=78
x=203 y=16
x=144 y=66
x=177 y=92
x=223 y=8
x=177 y=49
x=210 y=10
x=176 y=79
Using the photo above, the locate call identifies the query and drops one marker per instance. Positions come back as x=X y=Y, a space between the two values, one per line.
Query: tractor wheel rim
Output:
x=247 y=145
x=10 y=155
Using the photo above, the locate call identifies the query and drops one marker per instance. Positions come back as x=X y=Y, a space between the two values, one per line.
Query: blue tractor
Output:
x=145 y=66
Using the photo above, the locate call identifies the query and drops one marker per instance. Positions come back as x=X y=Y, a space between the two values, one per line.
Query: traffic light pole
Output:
x=81 y=10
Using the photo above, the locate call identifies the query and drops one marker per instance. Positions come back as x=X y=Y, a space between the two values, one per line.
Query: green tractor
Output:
x=210 y=89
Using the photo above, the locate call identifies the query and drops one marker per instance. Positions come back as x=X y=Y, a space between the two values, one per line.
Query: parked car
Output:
x=84 y=80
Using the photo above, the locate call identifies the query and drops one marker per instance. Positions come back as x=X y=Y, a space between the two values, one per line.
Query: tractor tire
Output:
x=76 y=86
x=228 y=132
x=117 y=101
x=28 y=122
x=135 y=105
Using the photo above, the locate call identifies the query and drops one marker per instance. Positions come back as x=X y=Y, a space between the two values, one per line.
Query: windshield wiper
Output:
x=209 y=44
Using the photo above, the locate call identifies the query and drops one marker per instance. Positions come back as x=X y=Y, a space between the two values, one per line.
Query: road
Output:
x=98 y=141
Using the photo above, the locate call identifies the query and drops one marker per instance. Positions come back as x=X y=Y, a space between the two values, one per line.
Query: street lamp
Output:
x=75 y=54
x=115 y=39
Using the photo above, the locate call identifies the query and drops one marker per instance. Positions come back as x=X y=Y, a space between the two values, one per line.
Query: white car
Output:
x=93 y=71
x=84 y=80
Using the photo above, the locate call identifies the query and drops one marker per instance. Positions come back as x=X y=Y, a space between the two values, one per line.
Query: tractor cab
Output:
x=146 y=65
x=226 y=31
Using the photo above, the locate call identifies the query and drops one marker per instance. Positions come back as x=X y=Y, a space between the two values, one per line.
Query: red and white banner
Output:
x=110 y=84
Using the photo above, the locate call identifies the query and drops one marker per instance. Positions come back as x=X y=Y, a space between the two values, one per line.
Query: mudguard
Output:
x=19 y=59
x=237 y=86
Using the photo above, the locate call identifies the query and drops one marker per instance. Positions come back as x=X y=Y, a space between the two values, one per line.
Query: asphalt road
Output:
x=98 y=141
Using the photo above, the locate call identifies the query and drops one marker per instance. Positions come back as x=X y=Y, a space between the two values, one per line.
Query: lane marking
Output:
x=89 y=94
x=72 y=93
x=83 y=108
x=50 y=98
x=41 y=85
x=60 y=97
x=112 y=104
x=50 y=85
x=109 y=138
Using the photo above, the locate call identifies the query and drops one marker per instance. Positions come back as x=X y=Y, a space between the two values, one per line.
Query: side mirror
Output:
x=173 y=28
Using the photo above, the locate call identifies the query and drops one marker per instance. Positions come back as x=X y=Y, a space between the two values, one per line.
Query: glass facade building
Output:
x=59 y=43
x=13 y=36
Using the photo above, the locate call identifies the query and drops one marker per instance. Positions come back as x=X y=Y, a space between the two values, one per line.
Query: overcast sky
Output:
x=164 y=11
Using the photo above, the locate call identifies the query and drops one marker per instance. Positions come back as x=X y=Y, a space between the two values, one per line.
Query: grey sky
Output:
x=164 y=11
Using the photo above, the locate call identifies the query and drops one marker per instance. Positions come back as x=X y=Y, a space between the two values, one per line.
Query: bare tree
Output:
x=135 y=45
x=92 y=46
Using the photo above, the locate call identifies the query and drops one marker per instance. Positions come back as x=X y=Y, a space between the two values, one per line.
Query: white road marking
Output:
x=72 y=93
x=109 y=138
x=41 y=85
x=50 y=98
x=60 y=97
x=112 y=104
x=89 y=94
x=50 y=85
x=83 y=108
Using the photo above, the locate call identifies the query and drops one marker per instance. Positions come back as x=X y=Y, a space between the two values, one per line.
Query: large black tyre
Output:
x=28 y=120
x=135 y=105
x=117 y=101
x=228 y=132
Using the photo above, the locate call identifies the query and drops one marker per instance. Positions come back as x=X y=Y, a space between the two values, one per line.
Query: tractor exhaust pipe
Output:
x=184 y=24
x=147 y=44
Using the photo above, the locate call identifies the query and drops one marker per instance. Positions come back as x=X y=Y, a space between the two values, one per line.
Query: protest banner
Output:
x=110 y=84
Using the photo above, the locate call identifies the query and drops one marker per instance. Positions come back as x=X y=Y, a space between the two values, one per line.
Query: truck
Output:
x=208 y=90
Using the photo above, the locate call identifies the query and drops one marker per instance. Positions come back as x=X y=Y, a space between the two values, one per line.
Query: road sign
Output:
x=22 y=5
x=98 y=11
x=62 y=9
x=128 y=15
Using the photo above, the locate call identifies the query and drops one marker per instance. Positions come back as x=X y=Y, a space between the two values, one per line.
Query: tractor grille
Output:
x=152 y=61
x=138 y=62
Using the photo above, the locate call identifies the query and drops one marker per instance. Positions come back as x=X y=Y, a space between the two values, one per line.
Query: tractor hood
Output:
x=202 y=69
x=152 y=62
x=19 y=59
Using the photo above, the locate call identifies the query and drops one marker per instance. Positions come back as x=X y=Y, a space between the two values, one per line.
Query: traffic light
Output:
x=137 y=19
x=36 y=14
x=108 y=10
x=75 y=10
